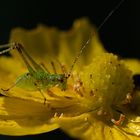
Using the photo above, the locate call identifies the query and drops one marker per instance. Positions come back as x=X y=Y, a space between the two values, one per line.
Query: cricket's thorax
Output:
x=42 y=81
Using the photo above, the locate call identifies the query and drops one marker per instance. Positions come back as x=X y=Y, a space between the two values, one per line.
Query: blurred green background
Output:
x=120 y=34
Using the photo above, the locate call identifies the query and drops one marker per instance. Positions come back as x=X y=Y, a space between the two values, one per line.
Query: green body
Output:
x=41 y=81
x=37 y=78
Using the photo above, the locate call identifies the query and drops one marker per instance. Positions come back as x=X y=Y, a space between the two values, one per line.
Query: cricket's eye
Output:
x=61 y=80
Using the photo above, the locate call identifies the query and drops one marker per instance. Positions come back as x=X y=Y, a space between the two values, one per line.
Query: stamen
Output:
x=55 y=115
x=120 y=121
x=61 y=115
x=78 y=87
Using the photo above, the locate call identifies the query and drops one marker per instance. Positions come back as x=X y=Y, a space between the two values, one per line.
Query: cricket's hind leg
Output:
x=20 y=49
x=28 y=60
x=7 y=47
x=44 y=67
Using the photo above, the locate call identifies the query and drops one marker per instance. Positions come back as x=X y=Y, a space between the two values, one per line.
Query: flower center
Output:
x=107 y=84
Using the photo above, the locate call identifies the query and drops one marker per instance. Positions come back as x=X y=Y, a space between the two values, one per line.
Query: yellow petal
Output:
x=41 y=41
x=45 y=43
x=71 y=42
x=10 y=66
x=133 y=126
x=10 y=69
x=93 y=126
x=23 y=117
x=132 y=113
x=109 y=79
x=86 y=127
x=133 y=65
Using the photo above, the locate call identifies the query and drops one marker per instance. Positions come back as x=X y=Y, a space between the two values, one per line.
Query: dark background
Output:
x=120 y=34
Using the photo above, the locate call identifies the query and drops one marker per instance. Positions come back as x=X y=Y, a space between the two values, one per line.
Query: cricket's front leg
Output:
x=42 y=93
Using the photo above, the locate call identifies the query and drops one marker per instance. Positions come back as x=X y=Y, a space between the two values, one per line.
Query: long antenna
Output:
x=87 y=42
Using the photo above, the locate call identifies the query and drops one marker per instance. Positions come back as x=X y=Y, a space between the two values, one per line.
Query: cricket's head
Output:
x=61 y=81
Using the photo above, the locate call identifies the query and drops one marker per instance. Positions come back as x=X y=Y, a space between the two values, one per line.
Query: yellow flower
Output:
x=100 y=101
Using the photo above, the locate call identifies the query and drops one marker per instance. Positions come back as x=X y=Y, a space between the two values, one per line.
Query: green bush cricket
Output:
x=38 y=78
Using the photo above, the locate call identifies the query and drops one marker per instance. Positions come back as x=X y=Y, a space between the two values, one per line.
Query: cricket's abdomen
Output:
x=41 y=81
x=26 y=82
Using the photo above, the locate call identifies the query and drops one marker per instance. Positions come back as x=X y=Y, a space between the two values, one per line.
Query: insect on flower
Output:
x=97 y=101
x=38 y=78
